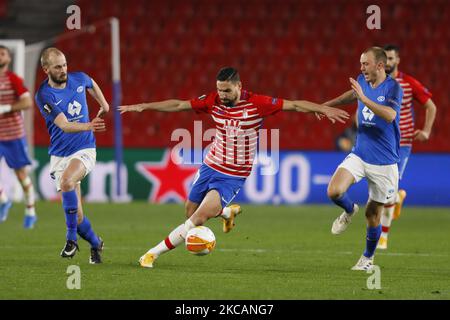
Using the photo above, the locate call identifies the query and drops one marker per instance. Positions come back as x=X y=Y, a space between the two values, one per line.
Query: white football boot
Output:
x=363 y=264
x=341 y=223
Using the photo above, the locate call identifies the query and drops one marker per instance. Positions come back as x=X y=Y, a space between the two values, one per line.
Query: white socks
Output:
x=3 y=197
x=174 y=239
x=226 y=212
x=28 y=192
x=386 y=217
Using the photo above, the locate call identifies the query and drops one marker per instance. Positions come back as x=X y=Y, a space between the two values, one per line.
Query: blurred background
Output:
x=293 y=49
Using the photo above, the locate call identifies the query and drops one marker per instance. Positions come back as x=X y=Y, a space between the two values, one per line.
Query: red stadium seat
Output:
x=297 y=49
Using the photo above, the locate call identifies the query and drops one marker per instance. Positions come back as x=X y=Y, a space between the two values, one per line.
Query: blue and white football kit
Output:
x=64 y=147
x=72 y=102
x=376 y=151
x=375 y=157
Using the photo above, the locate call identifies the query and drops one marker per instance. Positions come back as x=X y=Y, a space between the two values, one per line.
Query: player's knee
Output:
x=67 y=184
x=21 y=174
x=334 y=191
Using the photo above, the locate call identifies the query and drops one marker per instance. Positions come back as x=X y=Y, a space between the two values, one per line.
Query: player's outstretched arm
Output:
x=172 y=105
x=430 y=116
x=387 y=114
x=23 y=103
x=96 y=125
x=97 y=94
x=332 y=114
x=346 y=98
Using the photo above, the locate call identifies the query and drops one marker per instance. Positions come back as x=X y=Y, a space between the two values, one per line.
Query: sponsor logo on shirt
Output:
x=381 y=98
x=274 y=101
x=80 y=89
x=367 y=114
x=74 y=108
x=202 y=97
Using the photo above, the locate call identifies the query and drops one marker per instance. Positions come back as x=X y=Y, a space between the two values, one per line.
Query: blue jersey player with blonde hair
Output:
x=376 y=151
x=61 y=99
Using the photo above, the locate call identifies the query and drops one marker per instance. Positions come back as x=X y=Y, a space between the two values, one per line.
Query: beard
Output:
x=389 y=70
x=229 y=103
x=2 y=65
x=61 y=80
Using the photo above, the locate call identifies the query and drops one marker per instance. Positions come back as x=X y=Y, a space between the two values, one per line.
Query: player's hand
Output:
x=98 y=125
x=130 y=108
x=357 y=89
x=103 y=110
x=421 y=135
x=334 y=114
x=318 y=115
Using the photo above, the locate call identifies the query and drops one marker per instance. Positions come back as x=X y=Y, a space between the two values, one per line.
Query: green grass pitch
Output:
x=275 y=252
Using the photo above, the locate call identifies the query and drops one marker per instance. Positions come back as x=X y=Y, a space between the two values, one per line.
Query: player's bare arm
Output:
x=332 y=114
x=346 y=98
x=430 y=116
x=23 y=103
x=171 y=105
x=387 y=114
x=97 y=94
x=96 y=125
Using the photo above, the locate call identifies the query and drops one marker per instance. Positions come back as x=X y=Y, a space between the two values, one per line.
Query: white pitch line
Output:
x=253 y=250
x=335 y=253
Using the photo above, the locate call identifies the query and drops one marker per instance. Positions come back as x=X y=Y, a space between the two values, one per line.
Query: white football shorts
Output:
x=382 y=179
x=59 y=164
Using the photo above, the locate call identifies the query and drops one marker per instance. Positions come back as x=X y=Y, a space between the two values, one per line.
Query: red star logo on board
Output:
x=170 y=178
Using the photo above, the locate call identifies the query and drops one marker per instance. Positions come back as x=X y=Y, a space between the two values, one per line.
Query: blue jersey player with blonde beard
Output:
x=62 y=102
x=376 y=151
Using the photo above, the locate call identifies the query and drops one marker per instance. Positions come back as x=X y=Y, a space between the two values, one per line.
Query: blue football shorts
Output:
x=15 y=153
x=208 y=179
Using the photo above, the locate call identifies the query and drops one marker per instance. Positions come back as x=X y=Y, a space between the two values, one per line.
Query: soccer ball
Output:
x=200 y=241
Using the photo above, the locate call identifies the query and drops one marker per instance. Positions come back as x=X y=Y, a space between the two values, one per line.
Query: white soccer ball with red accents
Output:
x=200 y=241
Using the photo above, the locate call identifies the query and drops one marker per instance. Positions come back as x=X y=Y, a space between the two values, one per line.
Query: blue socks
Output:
x=70 y=205
x=373 y=235
x=345 y=203
x=85 y=231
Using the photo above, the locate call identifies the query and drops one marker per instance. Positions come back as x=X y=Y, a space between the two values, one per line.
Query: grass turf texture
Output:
x=273 y=253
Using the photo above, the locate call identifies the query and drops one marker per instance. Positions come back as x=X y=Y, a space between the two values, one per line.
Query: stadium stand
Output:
x=289 y=48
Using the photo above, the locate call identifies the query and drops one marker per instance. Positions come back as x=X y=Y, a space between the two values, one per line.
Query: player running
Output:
x=62 y=102
x=238 y=115
x=14 y=98
x=412 y=89
x=376 y=152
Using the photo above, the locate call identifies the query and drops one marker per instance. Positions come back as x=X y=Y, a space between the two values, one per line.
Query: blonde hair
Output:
x=45 y=55
x=379 y=54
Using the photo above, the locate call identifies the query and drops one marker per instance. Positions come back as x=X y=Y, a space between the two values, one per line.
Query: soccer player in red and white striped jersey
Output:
x=238 y=116
x=412 y=90
x=14 y=98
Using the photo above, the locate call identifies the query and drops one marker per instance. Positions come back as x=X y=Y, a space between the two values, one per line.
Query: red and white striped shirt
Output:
x=11 y=123
x=412 y=89
x=237 y=130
